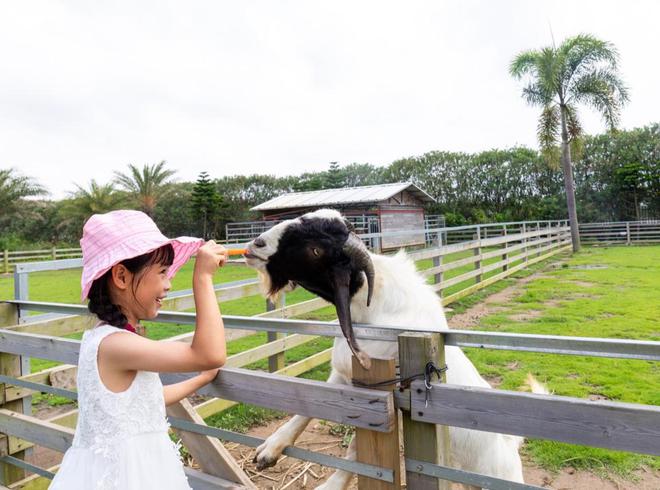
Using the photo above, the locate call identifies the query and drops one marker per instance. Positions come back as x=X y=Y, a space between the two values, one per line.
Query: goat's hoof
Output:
x=263 y=463
x=265 y=457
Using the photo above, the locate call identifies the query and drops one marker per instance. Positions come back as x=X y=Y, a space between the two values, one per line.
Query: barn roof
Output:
x=347 y=195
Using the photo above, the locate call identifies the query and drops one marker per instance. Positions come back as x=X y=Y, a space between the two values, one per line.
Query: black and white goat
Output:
x=319 y=252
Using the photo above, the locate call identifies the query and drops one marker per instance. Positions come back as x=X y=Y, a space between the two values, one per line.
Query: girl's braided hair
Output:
x=100 y=303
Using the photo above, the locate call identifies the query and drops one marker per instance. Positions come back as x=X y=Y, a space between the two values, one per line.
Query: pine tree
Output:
x=206 y=203
x=334 y=177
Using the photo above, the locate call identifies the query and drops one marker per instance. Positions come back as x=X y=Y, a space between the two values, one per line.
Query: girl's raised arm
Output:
x=207 y=350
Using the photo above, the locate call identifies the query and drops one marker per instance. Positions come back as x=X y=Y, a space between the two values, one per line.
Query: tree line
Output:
x=617 y=177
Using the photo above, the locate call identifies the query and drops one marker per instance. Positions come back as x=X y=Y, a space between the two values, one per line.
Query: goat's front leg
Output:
x=270 y=451
x=340 y=479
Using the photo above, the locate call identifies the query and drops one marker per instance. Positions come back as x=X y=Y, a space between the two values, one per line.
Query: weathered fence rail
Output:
x=613 y=425
x=36 y=345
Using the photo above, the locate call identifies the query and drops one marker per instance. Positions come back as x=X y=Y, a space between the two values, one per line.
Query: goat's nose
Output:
x=259 y=242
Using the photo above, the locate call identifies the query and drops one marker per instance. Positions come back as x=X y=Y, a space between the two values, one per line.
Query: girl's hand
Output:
x=208 y=376
x=210 y=257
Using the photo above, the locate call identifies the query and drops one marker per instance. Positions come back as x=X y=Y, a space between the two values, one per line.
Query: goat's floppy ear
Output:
x=341 y=278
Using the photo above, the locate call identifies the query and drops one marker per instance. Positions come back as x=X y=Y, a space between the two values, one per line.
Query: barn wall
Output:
x=400 y=220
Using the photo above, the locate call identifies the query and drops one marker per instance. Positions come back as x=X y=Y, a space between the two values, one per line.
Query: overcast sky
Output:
x=284 y=87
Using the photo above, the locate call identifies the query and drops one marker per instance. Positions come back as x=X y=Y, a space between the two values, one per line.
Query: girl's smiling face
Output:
x=140 y=295
x=151 y=288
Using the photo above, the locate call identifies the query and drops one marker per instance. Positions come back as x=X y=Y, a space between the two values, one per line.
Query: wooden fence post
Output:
x=22 y=292
x=422 y=441
x=558 y=234
x=437 y=262
x=538 y=238
x=378 y=448
x=54 y=253
x=6 y=261
x=477 y=251
x=628 y=241
x=276 y=361
x=21 y=288
x=524 y=240
x=208 y=452
x=10 y=365
x=505 y=256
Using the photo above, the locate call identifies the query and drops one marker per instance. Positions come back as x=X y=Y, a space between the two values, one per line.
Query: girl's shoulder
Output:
x=101 y=330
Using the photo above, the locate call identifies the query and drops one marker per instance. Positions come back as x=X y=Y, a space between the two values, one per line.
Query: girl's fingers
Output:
x=222 y=255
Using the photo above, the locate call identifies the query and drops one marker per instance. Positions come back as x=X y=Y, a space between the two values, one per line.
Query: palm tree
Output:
x=14 y=187
x=146 y=185
x=84 y=202
x=582 y=70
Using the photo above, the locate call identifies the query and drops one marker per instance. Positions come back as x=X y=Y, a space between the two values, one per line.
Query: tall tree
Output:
x=206 y=203
x=84 y=202
x=359 y=174
x=146 y=185
x=334 y=177
x=15 y=210
x=173 y=215
x=582 y=70
x=14 y=187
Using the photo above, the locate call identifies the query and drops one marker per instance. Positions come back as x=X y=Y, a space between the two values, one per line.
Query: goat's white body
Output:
x=401 y=298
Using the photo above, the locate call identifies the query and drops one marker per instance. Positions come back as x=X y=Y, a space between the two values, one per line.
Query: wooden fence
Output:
x=614 y=425
x=621 y=232
x=513 y=249
x=450 y=234
x=11 y=258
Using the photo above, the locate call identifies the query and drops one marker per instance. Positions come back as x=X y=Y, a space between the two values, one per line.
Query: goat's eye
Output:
x=316 y=252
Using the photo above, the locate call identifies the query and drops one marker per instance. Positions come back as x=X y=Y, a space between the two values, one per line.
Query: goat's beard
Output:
x=265 y=284
x=266 y=287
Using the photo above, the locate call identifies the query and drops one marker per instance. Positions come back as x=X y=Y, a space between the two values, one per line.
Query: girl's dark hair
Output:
x=99 y=295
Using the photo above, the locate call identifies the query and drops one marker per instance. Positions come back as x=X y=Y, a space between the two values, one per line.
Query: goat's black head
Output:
x=320 y=252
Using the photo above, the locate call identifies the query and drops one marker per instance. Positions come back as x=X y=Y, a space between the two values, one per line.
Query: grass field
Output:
x=600 y=292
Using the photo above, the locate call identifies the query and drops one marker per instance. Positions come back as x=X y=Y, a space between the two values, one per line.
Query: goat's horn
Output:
x=357 y=251
x=341 y=278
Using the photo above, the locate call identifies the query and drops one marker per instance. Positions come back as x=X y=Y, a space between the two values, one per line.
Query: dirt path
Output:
x=470 y=318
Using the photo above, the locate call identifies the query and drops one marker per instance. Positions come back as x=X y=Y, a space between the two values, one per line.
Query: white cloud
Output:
x=284 y=87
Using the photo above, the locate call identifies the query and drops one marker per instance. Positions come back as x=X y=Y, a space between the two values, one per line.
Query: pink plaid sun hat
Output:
x=119 y=235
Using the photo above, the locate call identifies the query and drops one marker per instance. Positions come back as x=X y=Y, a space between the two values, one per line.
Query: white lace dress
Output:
x=121 y=439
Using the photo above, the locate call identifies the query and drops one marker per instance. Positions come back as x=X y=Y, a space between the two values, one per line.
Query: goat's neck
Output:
x=401 y=297
x=394 y=285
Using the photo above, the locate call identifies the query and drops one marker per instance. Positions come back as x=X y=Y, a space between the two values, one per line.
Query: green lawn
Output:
x=600 y=292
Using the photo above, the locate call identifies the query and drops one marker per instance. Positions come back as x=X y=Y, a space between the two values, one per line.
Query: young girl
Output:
x=121 y=439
